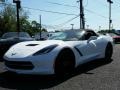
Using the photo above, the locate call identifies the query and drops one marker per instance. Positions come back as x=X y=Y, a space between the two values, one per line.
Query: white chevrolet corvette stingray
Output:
x=60 y=54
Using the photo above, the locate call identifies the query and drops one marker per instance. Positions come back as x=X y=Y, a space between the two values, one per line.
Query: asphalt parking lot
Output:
x=96 y=75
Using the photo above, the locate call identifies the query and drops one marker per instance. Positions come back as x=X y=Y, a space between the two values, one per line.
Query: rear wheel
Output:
x=65 y=63
x=108 y=52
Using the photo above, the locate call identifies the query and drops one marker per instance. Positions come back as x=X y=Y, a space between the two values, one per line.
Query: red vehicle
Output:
x=117 y=32
x=116 y=37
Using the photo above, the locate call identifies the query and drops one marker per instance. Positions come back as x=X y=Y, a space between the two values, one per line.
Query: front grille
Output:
x=21 y=65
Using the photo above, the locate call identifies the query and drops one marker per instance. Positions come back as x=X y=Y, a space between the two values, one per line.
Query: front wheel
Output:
x=108 y=52
x=64 y=63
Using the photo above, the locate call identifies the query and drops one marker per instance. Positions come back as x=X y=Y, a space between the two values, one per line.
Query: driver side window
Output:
x=87 y=35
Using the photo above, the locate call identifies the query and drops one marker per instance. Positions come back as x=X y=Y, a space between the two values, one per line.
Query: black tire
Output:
x=64 y=63
x=108 y=52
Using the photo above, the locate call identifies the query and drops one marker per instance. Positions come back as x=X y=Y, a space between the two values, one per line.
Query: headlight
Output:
x=45 y=50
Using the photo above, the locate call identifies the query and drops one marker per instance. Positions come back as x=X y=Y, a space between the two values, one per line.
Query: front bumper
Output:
x=42 y=65
x=20 y=65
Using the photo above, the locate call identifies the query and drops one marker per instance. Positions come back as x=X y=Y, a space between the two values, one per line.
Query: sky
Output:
x=96 y=13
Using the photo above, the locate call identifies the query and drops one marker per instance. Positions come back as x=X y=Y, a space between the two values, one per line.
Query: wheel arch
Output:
x=64 y=49
x=109 y=43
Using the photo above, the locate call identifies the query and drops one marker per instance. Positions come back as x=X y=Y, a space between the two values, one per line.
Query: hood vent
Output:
x=32 y=44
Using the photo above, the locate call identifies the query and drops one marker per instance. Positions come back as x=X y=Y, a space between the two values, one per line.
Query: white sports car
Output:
x=60 y=54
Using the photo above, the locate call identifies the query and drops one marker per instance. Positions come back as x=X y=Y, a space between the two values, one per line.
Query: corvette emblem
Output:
x=13 y=54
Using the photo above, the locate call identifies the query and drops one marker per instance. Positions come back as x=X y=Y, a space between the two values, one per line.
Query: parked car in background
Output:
x=60 y=54
x=10 y=38
x=117 y=32
x=116 y=37
x=44 y=36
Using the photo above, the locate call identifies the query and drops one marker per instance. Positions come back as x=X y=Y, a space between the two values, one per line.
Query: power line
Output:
x=90 y=11
x=68 y=21
x=45 y=10
x=62 y=12
x=59 y=18
x=86 y=4
x=63 y=4
x=51 y=11
x=77 y=8
x=118 y=3
x=60 y=25
x=103 y=4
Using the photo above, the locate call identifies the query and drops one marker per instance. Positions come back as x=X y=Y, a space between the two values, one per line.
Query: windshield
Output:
x=67 y=35
x=15 y=34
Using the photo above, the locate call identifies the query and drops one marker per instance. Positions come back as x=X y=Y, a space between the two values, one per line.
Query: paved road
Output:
x=96 y=75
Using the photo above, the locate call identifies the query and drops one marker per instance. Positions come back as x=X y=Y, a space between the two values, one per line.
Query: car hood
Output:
x=24 y=49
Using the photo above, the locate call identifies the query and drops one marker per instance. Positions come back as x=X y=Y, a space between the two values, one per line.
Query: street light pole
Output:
x=99 y=28
x=40 y=28
x=110 y=20
x=18 y=6
x=87 y=26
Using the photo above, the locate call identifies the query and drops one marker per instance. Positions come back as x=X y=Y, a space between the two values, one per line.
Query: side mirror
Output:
x=91 y=38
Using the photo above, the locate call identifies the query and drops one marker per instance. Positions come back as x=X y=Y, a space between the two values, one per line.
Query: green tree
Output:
x=8 y=18
x=106 y=31
x=35 y=28
x=44 y=30
x=8 y=21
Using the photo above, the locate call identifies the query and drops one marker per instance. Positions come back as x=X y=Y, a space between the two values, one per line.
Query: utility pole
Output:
x=18 y=6
x=82 y=19
x=110 y=20
x=40 y=28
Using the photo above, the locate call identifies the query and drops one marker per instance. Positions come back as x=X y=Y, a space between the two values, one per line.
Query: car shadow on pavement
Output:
x=36 y=82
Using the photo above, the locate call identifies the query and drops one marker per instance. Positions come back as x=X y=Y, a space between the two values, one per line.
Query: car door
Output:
x=87 y=50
